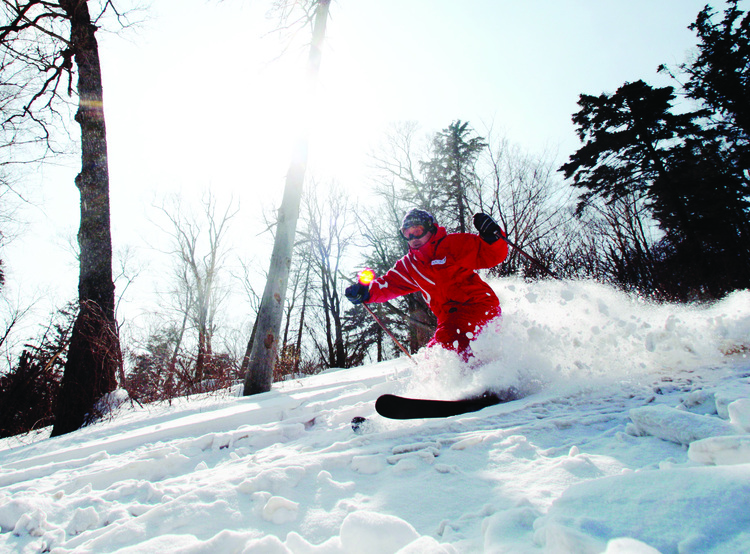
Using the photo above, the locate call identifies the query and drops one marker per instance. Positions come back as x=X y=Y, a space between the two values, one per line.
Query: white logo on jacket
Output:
x=439 y=262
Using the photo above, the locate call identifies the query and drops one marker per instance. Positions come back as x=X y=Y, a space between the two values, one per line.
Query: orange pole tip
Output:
x=366 y=276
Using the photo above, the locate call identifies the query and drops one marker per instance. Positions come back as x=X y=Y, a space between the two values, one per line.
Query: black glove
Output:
x=357 y=293
x=489 y=231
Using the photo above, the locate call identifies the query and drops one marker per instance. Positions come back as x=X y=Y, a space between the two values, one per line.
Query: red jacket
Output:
x=443 y=271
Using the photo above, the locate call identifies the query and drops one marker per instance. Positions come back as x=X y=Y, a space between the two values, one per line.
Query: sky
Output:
x=203 y=95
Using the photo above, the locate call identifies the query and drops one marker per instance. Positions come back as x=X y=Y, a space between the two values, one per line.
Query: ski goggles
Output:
x=414 y=232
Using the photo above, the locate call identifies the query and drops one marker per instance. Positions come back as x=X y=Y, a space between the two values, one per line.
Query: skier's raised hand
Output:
x=489 y=231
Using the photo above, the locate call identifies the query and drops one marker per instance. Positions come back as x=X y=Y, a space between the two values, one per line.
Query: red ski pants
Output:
x=461 y=324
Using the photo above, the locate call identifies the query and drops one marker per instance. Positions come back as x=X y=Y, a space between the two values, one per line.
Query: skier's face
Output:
x=417 y=236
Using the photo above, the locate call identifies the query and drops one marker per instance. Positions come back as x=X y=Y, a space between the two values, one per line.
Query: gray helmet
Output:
x=416 y=216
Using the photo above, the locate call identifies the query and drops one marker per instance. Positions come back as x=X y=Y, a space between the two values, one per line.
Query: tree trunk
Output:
x=302 y=320
x=339 y=344
x=244 y=367
x=180 y=334
x=94 y=351
x=264 y=353
x=200 y=362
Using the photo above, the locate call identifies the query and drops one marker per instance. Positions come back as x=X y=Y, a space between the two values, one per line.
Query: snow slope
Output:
x=632 y=437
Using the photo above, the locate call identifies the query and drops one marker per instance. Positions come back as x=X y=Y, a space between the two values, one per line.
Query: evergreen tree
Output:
x=692 y=169
x=452 y=171
x=719 y=76
x=626 y=136
x=711 y=198
x=28 y=392
x=363 y=334
x=635 y=145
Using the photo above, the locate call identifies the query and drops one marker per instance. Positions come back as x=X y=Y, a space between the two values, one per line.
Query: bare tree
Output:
x=521 y=190
x=199 y=250
x=11 y=313
x=28 y=390
x=296 y=309
x=43 y=44
x=302 y=314
x=625 y=237
x=329 y=222
x=397 y=167
x=264 y=352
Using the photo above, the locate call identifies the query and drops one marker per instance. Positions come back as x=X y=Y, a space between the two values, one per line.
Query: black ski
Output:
x=399 y=407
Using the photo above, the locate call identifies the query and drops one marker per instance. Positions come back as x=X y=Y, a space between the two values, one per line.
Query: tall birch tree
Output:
x=264 y=352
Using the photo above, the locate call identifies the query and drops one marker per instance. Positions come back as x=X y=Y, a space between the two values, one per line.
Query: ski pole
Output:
x=366 y=277
x=401 y=346
x=528 y=257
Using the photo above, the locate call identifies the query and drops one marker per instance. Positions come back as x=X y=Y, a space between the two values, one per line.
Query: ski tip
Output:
x=385 y=398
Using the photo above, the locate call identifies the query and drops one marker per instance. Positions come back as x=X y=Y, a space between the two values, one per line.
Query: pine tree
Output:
x=719 y=76
x=452 y=171
x=634 y=145
x=29 y=391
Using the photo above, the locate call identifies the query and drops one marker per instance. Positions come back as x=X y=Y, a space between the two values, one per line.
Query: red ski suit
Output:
x=443 y=271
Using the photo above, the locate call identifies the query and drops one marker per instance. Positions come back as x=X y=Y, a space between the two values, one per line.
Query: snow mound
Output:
x=592 y=459
x=726 y=450
x=676 y=425
x=712 y=508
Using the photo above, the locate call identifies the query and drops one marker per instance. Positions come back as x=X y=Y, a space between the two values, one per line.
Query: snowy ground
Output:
x=633 y=437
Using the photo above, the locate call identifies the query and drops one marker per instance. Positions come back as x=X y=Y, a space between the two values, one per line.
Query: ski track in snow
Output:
x=632 y=437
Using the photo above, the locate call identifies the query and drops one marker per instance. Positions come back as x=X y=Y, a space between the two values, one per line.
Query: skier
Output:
x=441 y=266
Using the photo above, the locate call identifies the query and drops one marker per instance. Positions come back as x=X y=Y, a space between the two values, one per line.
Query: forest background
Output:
x=198 y=149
